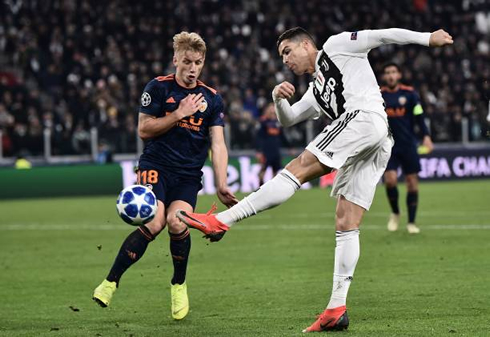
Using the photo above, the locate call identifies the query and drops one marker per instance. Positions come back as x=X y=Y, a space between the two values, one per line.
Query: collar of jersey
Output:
x=316 y=63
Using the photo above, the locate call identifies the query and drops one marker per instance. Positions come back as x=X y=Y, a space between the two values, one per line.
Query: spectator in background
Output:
x=110 y=56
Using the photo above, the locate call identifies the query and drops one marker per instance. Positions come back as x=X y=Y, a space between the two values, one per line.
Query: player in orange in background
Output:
x=404 y=112
x=270 y=138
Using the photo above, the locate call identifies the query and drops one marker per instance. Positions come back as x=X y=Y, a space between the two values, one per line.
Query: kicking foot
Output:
x=212 y=228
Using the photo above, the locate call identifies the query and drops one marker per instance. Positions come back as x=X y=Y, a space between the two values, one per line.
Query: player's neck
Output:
x=181 y=83
x=394 y=88
x=312 y=58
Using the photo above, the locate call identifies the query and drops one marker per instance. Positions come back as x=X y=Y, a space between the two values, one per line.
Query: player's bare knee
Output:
x=390 y=179
x=306 y=167
x=175 y=226
x=347 y=216
x=389 y=183
x=156 y=226
x=347 y=223
x=412 y=183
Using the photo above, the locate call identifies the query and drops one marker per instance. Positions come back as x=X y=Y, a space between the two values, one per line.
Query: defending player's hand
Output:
x=440 y=38
x=427 y=143
x=189 y=105
x=260 y=158
x=226 y=197
x=284 y=90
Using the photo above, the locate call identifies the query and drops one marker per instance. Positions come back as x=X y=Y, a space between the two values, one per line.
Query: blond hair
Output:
x=189 y=41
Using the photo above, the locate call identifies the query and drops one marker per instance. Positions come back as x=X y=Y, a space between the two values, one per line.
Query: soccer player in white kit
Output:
x=357 y=143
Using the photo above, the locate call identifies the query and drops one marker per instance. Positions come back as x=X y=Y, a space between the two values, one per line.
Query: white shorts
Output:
x=358 y=145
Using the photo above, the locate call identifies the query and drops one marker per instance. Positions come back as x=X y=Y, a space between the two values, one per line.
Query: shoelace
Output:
x=214 y=207
x=178 y=300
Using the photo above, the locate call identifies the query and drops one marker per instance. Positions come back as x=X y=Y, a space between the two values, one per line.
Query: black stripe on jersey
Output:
x=333 y=85
x=322 y=145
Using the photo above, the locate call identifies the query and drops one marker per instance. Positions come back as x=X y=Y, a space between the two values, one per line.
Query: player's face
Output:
x=188 y=66
x=294 y=55
x=391 y=76
x=270 y=112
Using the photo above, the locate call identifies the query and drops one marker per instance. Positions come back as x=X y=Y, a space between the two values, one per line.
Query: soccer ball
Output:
x=136 y=205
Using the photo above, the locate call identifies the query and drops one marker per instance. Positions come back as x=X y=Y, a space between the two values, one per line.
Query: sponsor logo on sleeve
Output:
x=353 y=36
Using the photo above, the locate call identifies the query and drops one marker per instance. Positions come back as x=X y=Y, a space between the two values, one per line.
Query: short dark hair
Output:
x=392 y=64
x=295 y=33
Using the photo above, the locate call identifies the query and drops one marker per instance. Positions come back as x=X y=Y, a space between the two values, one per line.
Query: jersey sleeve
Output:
x=309 y=99
x=307 y=107
x=151 y=100
x=418 y=113
x=361 y=42
x=218 y=113
x=417 y=105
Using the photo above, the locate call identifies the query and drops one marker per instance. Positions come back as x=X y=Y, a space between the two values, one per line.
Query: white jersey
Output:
x=344 y=80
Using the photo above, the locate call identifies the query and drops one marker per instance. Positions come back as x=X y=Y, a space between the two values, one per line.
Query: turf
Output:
x=268 y=277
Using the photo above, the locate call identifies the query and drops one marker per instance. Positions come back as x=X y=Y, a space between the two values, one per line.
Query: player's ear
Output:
x=174 y=60
x=306 y=43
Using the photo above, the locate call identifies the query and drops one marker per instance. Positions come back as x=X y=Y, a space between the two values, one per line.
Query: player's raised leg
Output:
x=390 y=179
x=348 y=217
x=130 y=252
x=273 y=193
x=180 y=246
x=412 y=201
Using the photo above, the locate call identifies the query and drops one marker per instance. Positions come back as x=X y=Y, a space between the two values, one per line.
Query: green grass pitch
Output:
x=269 y=276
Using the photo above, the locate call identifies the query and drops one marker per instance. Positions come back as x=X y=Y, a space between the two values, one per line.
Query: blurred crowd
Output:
x=67 y=67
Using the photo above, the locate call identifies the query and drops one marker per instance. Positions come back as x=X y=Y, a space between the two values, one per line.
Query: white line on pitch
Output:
x=244 y=226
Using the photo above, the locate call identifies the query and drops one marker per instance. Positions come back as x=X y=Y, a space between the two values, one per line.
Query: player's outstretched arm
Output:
x=363 y=41
x=289 y=115
x=220 y=166
x=150 y=126
x=379 y=37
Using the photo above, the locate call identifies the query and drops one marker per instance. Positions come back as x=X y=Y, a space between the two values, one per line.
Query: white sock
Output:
x=271 y=194
x=346 y=256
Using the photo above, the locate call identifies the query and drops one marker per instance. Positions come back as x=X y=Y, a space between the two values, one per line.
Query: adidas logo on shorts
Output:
x=329 y=154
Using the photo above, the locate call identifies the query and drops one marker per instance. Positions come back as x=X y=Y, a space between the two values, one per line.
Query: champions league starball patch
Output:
x=145 y=99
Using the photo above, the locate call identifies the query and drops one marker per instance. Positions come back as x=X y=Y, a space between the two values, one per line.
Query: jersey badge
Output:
x=203 y=106
x=402 y=100
x=353 y=36
x=145 y=99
